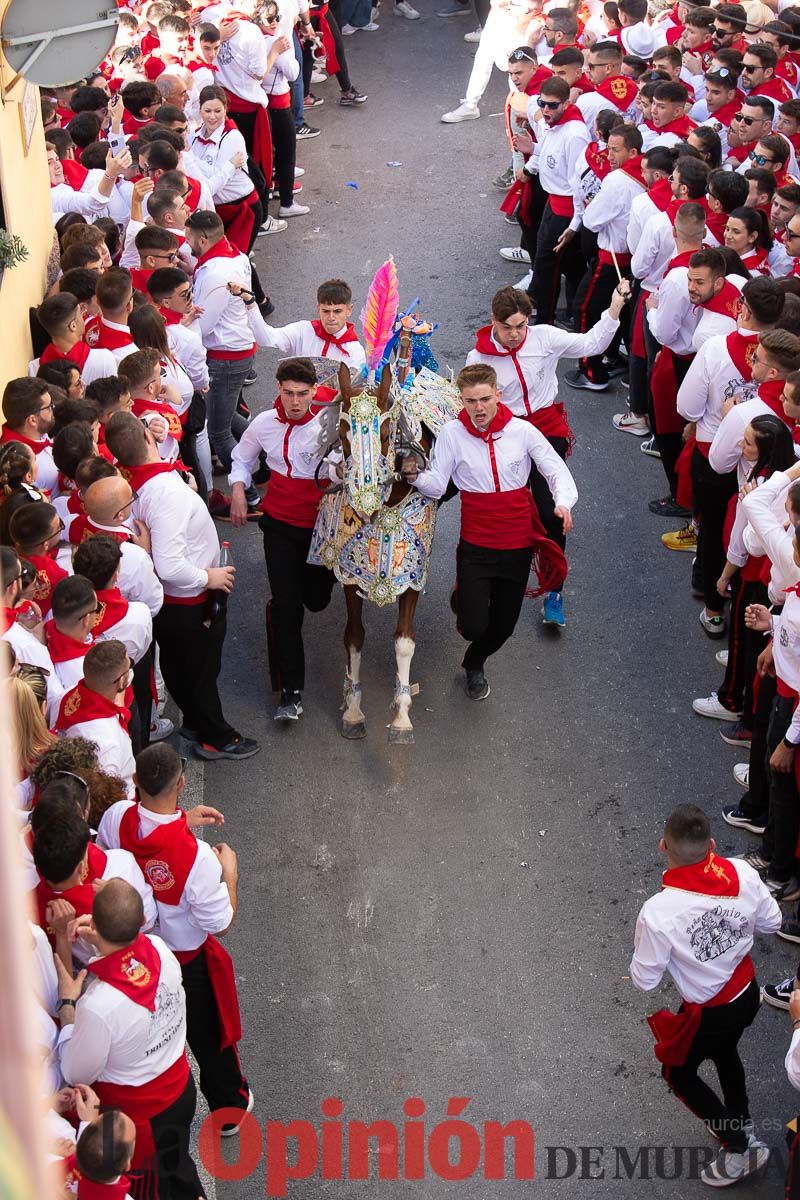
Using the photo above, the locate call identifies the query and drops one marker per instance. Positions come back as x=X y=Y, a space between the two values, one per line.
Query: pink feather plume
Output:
x=380 y=311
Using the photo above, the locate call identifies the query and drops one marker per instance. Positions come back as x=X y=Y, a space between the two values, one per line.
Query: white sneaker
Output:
x=525 y=282
x=722 y=657
x=515 y=254
x=709 y=706
x=629 y=422
x=161 y=728
x=466 y=111
x=294 y=210
x=741 y=773
x=729 y=1167
x=348 y=30
x=370 y=28
x=272 y=225
x=318 y=76
x=404 y=9
x=299 y=172
x=475 y=36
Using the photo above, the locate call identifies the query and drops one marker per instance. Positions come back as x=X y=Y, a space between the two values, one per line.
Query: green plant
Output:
x=12 y=250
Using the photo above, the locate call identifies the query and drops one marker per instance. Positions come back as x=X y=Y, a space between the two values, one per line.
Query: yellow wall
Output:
x=26 y=198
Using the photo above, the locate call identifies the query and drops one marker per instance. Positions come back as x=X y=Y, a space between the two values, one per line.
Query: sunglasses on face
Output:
x=549 y=105
x=750 y=67
x=760 y=159
x=746 y=120
x=715 y=31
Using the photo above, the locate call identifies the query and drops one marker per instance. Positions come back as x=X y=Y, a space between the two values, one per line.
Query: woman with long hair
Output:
x=220 y=149
x=747 y=232
x=32 y=737
x=18 y=469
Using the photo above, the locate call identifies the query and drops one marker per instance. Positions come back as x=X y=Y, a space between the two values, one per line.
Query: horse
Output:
x=376 y=532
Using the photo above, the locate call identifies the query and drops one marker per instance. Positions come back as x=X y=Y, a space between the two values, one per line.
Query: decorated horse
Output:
x=376 y=532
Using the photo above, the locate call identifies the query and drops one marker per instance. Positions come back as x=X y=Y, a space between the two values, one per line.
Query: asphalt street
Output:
x=455 y=918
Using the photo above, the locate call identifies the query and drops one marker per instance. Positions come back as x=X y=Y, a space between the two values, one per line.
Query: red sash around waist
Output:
x=294 y=501
x=144 y=1101
x=497 y=520
x=562 y=206
x=675 y=1032
x=219 y=965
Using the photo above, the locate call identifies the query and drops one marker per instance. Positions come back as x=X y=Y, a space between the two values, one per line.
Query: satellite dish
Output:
x=41 y=47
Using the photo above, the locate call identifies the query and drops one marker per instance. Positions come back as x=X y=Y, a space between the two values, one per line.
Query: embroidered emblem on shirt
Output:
x=135 y=971
x=158 y=875
x=715 y=932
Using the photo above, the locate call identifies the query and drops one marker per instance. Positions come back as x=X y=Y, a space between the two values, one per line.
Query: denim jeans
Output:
x=225 y=424
x=356 y=13
x=298 y=93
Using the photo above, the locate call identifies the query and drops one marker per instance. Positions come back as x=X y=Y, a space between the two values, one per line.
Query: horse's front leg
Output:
x=353 y=721
x=401 y=730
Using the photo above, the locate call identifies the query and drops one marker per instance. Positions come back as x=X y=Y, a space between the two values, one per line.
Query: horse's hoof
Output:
x=354 y=732
x=401 y=737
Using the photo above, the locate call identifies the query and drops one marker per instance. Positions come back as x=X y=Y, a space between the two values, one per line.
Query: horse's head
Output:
x=367 y=429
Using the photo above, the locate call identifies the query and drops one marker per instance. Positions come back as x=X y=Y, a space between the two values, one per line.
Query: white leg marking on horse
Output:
x=353 y=714
x=404 y=651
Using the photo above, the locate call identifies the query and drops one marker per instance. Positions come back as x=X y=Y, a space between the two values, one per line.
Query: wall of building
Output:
x=25 y=187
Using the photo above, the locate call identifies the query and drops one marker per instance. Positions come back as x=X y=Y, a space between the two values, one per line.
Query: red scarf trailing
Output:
x=681 y=127
x=742 y=349
x=134 y=971
x=339 y=340
x=262 y=135
x=81 y=896
x=772 y=395
x=675 y=1032
x=619 y=90
x=166 y=855
x=81 y=704
x=77 y=355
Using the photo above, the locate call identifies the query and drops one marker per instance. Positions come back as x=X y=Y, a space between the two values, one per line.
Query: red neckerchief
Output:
x=620 y=90
x=197 y=64
x=633 y=167
x=134 y=971
x=714 y=876
x=8 y=617
x=339 y=340
x=675 y=33
x=166 y=855
x=175 y=429
x=192 y=197
x=138 y=476
x=280 y=413
x=82 y=528
x=672 y=208
x=74 y=173
x=77 y=355
x=485 y=344
x=680 y=260
x=715 y=223
x=150 y=42
x=132 y=125
x=570 y=113
x=597 y=159
x=9 y=435
x=139 y=277
x=661 y=194
x=228 y=125
x=534 y=84
x=48 y=574
x=82 y=704
x=742 y=350
x=725 y=302
x=723 y=116
x=788 y=70
x=170 y=316
x=771 y=394
x=81 y=896
x=114 y=609
x=89 y=1190
x=583 y=84
x=756 y=260
x=774 y=89
x=682 y=126
x=497 y=424
x=102 y=337
x=61 y=646
x=220 y=249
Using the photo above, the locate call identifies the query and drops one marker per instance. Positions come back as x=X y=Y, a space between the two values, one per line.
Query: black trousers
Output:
x=221 y=1079
x=284 y=149
x=189 y=457
x=544 y=497
x=717 y=1040
x=191 y=660
x=783 y=822
x=173 y=1175
x=296 y=585
x=744 y=647
x=711 y=495
x=143 y=695
x=755 y=802
x=638 y=389
x=342 y=75
x=530 y=232
x=591 y=300
x=548 y=267
x=490 y=588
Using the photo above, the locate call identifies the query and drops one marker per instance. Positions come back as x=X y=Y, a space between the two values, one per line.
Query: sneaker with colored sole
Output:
x=240 y=747
x=778 y=995
x=577 y=379
x=736 y=734
x=715 y=626
x=681 y=539
x=553 y=610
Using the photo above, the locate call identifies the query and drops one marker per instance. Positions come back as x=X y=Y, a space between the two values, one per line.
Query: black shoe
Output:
x=577 y=379
x=477 y=685
x=188 y=735
x=240 y=747
x=790 y=930
x=734 y=816
x=250 y=378
x=668 y=507
x=290 y=708
x=736 y=734
x=616 y=367
x=266 y=307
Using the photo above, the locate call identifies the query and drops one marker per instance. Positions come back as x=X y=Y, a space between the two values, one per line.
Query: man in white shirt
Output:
x=127 y=1034
x=60 y=315
x=331 y=335
x=225 y=329
x=190 y=628
x=96 y=709
x=700 y=929
x=69 y=631
x=29 y=417
x=196 y=889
